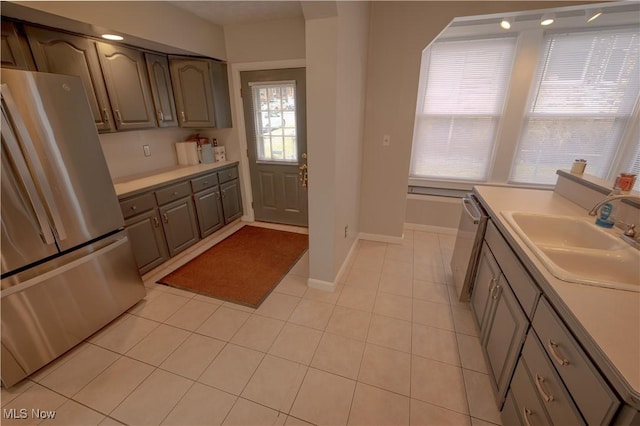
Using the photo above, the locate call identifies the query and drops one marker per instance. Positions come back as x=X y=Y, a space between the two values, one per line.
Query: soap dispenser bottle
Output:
x=605 y=220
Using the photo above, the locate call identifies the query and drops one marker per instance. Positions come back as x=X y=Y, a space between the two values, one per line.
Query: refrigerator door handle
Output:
x=15 y=157
x=32 y=157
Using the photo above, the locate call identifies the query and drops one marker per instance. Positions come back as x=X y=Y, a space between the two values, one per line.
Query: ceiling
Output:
x=241 y=12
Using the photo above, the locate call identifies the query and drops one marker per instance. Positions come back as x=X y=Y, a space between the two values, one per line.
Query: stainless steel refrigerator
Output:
x=67 y=265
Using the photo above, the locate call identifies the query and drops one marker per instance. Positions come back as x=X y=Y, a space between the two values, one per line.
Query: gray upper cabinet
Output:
x=125 y=75
x=15 y=49
x=160 y=80
x=62 y=53
x=193 y=88
x=201 y=88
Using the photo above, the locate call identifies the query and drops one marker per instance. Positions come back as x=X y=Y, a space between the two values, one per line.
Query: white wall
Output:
x=265 y=41
x=336 y=48
x=399 y=33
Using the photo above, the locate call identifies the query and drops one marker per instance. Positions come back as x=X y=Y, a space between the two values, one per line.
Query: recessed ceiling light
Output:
x=505 y=24
x=593 y=15
x=112 y=37
x=547 y=20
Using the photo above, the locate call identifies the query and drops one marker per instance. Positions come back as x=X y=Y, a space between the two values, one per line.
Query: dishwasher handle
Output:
x=476 y=215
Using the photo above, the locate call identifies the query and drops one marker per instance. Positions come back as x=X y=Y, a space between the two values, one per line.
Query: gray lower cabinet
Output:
x=180 y=226
x=209 y=210
x=147 y=239
x=62 y=53
x=487 y=277
x=161 y=89
x=231 y=200
x=125 y=74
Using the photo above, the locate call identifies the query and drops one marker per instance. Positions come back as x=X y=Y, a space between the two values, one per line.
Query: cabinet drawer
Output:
x=521 y=283
x=137 y=205
x=204 y=182
x=228 y=174
x=592 y=395
x=528 y=407
x=551 y=391
x=173 y=192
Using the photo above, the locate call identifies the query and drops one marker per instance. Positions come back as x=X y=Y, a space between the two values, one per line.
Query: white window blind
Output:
x=462 y=89
x=585 y=91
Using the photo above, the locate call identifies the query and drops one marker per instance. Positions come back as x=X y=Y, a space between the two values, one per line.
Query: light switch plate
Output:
x=147 y=150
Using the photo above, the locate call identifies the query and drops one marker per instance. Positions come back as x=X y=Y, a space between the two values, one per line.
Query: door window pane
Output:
x=274 y=106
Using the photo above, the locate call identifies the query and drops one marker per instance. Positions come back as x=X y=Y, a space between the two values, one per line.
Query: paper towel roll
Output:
x=187 y=153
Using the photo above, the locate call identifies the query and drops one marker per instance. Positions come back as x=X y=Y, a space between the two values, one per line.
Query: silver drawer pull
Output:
x=497 y=293
x=553 y=347
x=526 y=413
x=156 y=222
x=134 y=207
x=539 y=381
x=491 y=284
x=165 y=217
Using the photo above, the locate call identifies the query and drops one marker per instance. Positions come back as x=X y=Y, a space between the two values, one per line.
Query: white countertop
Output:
x=610 y=317
x=131 y=184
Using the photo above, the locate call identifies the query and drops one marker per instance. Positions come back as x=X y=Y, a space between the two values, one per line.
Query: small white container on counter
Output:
x=187 y=153
x=578 y=166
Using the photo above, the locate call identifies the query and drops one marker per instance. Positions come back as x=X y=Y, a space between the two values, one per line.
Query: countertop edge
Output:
x=615 y=378
x=150 y=182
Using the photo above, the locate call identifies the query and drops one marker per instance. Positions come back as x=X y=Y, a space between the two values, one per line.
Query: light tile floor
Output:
x=390 y=346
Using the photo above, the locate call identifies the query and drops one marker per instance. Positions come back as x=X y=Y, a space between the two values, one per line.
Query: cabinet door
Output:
x=222 y=105
x=485 y=283
x=209 y=211
x=15 y=49
x=147 y=240
x=193 y=89
x=62 y=53
x=231 y=200
x=179 y=223
x=506 y=328
x=125 y=74
x=160 y=80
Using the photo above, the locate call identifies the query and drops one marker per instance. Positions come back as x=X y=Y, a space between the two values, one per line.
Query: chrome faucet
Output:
x=594 y=209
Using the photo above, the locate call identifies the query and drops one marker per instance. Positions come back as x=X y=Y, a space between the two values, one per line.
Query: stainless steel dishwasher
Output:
x=466 y=252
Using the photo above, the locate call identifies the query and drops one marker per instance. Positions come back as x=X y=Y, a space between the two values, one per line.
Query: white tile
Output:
x=435 y=343
x=275 y=383
x=349 y=322
x=431 y=292
x=125 y=334
x=301 y=268
x=339 y=355
x=480 y=396
x=246 y=413
x=374 y=406
x=400 y=253
x=386 y=368
x=153 y=399
x=73 y=414
x=208 y=299
x=10 y=394
x=432 y=314
x=395 y=285
x=201 y=405
x=223 y=323
x=239 y=307
x=193 y=356
x=357 y=298
x=39 y=375
x=176 y=291
x=278 y=306
x=294 y=285
x=324 y=295
x=192 y=315
x=310 y=313
x=296 y=343
x=423 y=413
x=438 y=383
x=390 y=332
x=463 y=322
x=471 y=355
x=158 y=344
x=35 y=396
x=113 y=385
x=394 y=306
x=292 y=421
x=160 y=307
x=399 y=269
x=315 y=404
x=231 y=369
x=258 y=333
x=80 y=369
x=363 y=277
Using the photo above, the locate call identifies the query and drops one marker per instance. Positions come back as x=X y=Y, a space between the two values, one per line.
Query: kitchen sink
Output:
x=574 y=249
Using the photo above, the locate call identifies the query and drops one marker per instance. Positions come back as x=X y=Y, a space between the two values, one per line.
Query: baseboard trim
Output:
x=321 y=285
x=381 y=238
x=431 y=228
x=347 y=261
